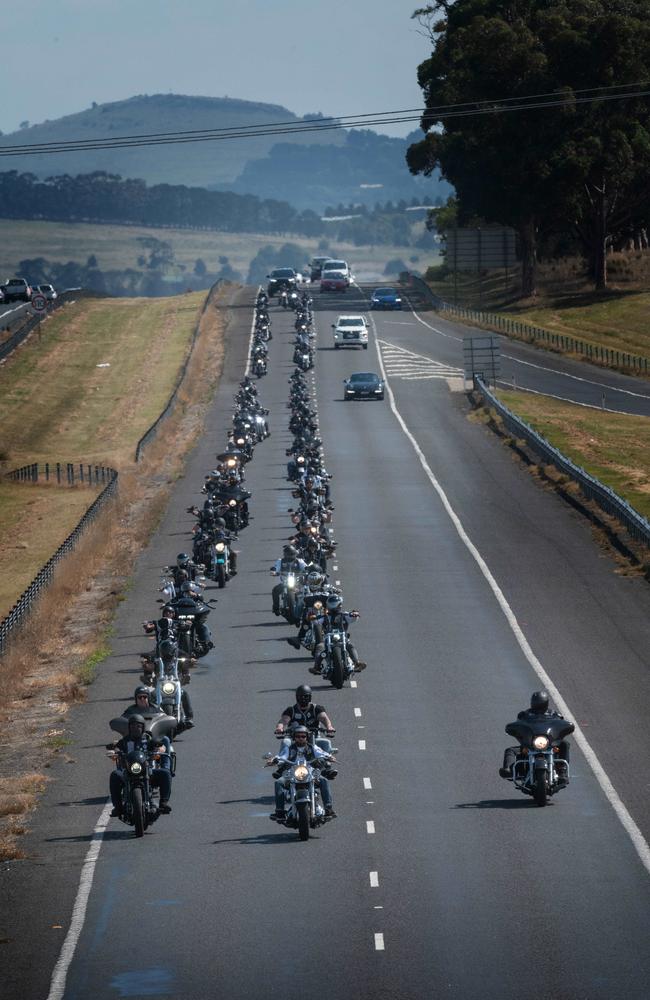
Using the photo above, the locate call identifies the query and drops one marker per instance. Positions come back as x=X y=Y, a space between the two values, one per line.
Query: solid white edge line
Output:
x=379 y=942
x=638 y=840
x=57 y=983
x=374 y=880
x=563 y=399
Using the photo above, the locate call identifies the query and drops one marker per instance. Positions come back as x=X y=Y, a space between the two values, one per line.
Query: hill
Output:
x=309 y=171
x=197 y=164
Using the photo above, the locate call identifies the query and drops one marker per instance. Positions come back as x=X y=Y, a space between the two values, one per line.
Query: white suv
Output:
x=351 y=331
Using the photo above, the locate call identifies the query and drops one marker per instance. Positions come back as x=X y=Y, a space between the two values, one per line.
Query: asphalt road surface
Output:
x=437 y=878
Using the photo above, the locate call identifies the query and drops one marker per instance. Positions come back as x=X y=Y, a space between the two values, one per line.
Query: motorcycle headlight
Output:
x=540 y=742
x=168 y=687
x=317 y=605
x=240 y=441
x=300 y=459
x=232 y=462
x=135 y=767
x=220 y=546
x=232 y=503
x=291 y=581
x=301 y=773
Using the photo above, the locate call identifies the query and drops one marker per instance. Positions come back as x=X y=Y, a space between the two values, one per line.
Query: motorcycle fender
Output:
x=302 y=795
x=541 y=764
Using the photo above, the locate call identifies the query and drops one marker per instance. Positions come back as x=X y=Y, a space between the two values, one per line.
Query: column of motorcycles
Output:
x=144 y=757
x=305 y=597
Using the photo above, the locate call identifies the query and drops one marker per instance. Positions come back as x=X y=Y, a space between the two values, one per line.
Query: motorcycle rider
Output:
x=137 y=739
x=169 y=654
x=188 y=605
x=539 y=709
x=305 y=713
x=316 y=758
x=184 y=565
x=335 y=617
x=289 y=563
x=229 y=537
x=316 y=590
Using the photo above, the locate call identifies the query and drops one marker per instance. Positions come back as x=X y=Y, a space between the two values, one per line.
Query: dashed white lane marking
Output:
x=374 y=880
x=353 y=684
x=379 y=942
x=57 y=983
x=337 y=582
x=357 y=712
x=362 y=744
x=370 y=826
x=335 y=568
x=638 y=840
x=377 y=907
x=367 y=783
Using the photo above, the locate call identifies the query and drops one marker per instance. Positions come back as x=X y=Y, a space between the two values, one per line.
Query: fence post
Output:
x=47 y=472
x=58 y=473
x=81 y=472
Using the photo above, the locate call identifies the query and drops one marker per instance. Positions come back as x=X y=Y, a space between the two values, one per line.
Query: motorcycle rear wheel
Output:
x=338 y=671
x=138 y=811
x=303 y=820
x=539 y=790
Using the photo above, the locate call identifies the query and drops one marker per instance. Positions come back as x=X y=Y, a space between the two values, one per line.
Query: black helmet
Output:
x=168 y=649
x=141 y=690
x=136 y=720
x=303 y=695
x=182 y=560
x=219 y=522
x=334 y=602
x=289 y=552
x=539 y=702
x=169 y=611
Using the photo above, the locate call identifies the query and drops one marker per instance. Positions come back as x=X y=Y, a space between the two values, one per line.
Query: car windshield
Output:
x=334 y=265
x=385 y=291
x=350 y=322
x=364 y=377
x=283 y=272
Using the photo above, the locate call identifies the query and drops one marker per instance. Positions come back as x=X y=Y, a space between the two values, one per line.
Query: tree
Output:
x=575 y=165
x=200 y=270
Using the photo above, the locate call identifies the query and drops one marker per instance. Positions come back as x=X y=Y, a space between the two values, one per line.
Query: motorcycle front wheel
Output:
x=303 y=820
x=338 y=671
x=138 y=811
x=539 y=790
x=221 y=576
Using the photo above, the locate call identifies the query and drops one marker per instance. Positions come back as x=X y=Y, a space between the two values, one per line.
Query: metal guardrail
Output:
x=534 y=334
x=150 y=434
x=23 y=605
x=32 y=322
x=65 y=473
x=609 y=501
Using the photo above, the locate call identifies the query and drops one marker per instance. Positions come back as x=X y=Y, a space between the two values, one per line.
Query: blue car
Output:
x=385 y=298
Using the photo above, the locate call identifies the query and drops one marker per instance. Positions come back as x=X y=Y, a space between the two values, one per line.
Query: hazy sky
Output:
x=335 y=56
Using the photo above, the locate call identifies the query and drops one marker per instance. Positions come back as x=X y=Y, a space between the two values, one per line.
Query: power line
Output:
x=440 y=113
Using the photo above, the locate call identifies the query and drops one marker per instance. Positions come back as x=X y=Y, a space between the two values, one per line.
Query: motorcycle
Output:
x=303 y=809
x=220 y=569
x=337 y=665
x=140 y=797
x=535 y=768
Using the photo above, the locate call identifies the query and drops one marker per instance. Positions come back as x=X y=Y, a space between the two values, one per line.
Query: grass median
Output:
x=613 y=447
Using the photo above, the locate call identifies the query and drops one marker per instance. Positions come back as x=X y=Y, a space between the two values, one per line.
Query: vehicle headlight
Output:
x=378 y=390
x=301 y=459
x=135 y=767
x=291 y=581
x=168 y=687
x=232 y=503
x=318 y=606
x=301 y=773
x=540 y=742
x=232 y=462
x=220 y=546
x=240 y=441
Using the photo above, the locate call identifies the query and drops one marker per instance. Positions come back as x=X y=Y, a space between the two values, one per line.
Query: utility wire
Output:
x=440 y=113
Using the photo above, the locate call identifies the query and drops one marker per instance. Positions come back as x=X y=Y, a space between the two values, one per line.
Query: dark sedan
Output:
x=385 y=298
x=282 y=277
x=364 y=385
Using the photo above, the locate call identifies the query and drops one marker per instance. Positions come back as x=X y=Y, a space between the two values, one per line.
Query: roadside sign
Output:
x=482 y=357
x=39 y=303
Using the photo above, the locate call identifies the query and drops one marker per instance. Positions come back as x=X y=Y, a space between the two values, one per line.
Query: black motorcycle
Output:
x=535 y=768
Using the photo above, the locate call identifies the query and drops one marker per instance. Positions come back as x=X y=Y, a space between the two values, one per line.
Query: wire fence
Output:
x=150 y=434
x=609 y=501
x=64 y=473
x=533 y=334
x=25 y=602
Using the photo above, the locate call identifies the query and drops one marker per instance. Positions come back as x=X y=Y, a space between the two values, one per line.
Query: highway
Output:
x=437 y=878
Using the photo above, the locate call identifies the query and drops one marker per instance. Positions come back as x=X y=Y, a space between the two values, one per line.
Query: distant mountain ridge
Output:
x=310 y=171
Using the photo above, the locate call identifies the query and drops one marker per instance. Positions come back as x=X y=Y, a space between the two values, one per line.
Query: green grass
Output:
x=87 y=672
x=613 y=447
x=116 y=247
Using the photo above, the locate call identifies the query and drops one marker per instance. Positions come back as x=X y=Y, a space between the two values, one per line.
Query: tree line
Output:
x=569 y=177
x=107 y=198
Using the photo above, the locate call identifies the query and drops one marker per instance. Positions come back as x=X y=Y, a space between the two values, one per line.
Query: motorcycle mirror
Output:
x=267 y=756
x=159 y=600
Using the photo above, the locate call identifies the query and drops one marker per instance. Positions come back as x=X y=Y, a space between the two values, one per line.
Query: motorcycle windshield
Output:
x=525 y=730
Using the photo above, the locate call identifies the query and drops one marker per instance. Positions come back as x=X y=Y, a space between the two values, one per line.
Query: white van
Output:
x=351 y=331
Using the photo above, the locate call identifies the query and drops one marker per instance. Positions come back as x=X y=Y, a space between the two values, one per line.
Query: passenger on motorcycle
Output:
x=316 y=758
x=137 y=739
x=334 y=617
x=305 y=713
x=538 y=709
